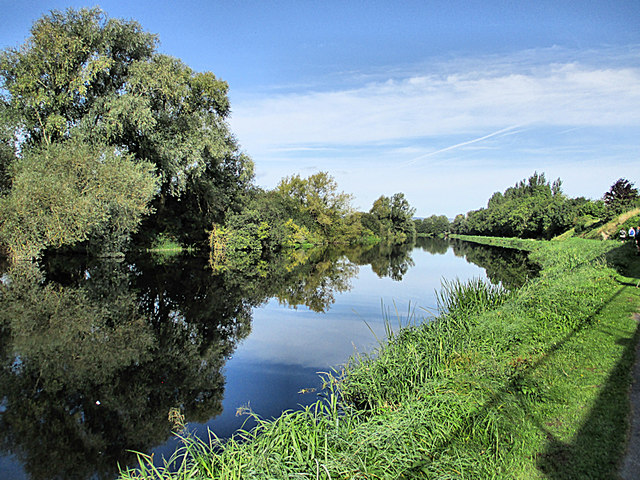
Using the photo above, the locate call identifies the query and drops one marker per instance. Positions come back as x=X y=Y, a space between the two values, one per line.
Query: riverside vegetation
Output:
x=112 y=145
x=530 y=383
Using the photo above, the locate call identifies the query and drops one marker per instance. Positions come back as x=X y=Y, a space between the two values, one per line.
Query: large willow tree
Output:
x=85 y=83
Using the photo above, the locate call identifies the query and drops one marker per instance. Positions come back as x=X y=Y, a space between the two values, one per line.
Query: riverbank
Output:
x=527 y=384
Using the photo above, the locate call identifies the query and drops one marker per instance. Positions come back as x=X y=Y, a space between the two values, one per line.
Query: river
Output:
x=97 y=353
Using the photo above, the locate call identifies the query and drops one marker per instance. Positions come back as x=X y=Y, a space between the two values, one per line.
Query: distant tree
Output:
x=621 y=196
x=402 y=215
x=532 y=208
x=433 y=226
x=392 y=218
x=318 y=196
x=458 y=224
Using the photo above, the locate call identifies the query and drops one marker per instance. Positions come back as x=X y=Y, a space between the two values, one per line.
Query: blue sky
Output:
x=447 y=102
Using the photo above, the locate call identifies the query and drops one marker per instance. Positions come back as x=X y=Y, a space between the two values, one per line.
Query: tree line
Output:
x=537 y=208
x=105 y=141
x=303 y=212
x=534 y=208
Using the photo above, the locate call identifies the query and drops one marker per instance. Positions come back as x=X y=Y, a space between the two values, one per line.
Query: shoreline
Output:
x=532 y=385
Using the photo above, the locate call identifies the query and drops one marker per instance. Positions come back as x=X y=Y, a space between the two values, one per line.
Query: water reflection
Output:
x=386 y=260
x=313 y=277
x=435 y=246
x=95 y=353
x=510 y=267
x=89 y=371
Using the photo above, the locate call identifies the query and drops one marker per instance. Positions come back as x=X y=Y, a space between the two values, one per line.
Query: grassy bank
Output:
x=525 y=384
x=526 y=244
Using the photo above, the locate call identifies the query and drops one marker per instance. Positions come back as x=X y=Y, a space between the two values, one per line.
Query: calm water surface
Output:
x=96 y=353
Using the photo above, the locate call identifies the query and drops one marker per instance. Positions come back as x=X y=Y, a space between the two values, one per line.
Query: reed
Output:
x=420 y=350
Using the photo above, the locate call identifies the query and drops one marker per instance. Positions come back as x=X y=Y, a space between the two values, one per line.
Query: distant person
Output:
x=623 y=234
x=632 y=232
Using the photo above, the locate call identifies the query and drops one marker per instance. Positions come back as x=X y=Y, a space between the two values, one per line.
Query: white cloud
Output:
x=491 y=118
x=428 y=105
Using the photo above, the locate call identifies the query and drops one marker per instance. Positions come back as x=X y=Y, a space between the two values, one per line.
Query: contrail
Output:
x=458 y=145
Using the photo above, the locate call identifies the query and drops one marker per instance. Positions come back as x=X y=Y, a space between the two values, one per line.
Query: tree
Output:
x=71 y=61
x=392 y=218
x=86 y=78
x=433 y=226
x=620 y=197
x=318 y=197
x=63 y=194
x=176 y=118
x=532 y=208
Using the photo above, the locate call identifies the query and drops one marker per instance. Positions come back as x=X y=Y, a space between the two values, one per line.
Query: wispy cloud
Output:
x=426 y=105
x=509 y=130
x=514 y=114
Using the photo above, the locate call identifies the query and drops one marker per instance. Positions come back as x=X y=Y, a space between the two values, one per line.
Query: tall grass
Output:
x=419 y=351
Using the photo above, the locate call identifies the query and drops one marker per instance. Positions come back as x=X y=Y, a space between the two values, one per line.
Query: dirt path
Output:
x=631 y=464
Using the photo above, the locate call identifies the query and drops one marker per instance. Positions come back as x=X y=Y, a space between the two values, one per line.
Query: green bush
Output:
x=67 y=193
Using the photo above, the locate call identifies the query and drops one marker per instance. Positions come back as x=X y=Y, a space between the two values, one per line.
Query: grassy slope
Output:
x=579 y=364
x=611 y=229
x=528 y=385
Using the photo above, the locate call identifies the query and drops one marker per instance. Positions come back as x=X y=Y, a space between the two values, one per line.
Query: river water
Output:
x=97 y=353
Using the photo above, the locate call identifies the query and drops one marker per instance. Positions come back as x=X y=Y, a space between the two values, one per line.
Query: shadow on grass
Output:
x=597 y=448
x=626 y=260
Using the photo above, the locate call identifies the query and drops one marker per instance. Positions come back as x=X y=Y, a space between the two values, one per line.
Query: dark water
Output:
x=96 y=353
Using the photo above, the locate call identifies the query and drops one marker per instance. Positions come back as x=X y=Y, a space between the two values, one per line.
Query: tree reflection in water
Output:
x=508 y=266
x=95 y=355
x=96 y=352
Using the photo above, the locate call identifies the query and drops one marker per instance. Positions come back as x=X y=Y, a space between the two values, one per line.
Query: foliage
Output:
x=239 y=244
x=203 y=173
x=533 y=208
x=84 y=78
x=262 y=228
x=620 y=197
x=433 y=226
x=300 y=212
x=391 y=219
x=7 y=146
x=65 y=193
x=318 y=198
x=71 y=60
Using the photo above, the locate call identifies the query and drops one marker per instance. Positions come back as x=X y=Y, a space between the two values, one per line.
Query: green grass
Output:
x=526 y=384
x=165 y=246
x=517 y=243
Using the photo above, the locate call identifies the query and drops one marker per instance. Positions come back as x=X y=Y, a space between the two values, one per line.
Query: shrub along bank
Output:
x=525 y=384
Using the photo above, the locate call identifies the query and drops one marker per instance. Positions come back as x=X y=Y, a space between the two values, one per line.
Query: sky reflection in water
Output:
x=289 y=346
x=143 y=337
